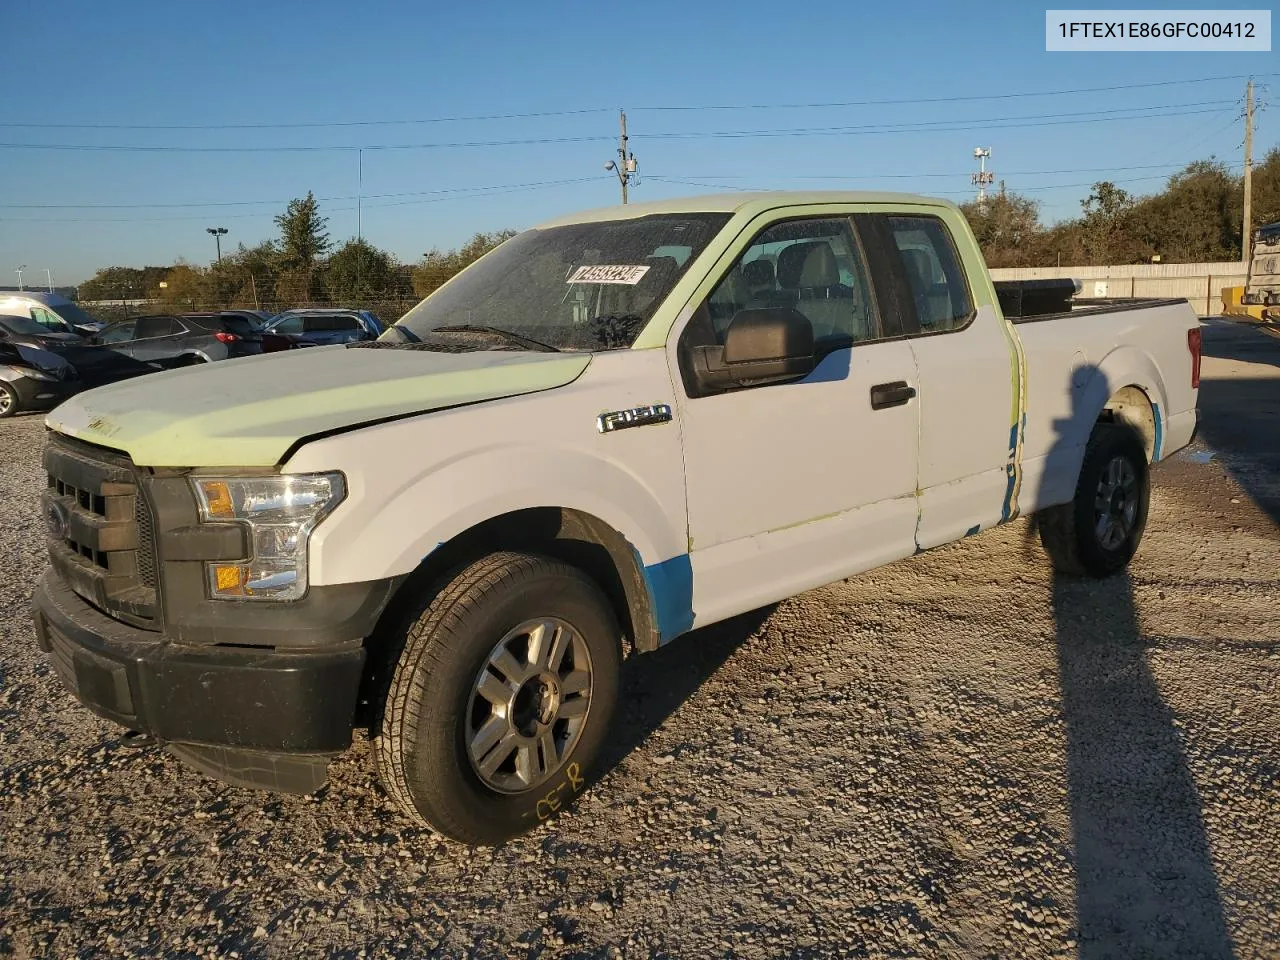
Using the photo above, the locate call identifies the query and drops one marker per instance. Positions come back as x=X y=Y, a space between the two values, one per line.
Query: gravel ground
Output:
x=953 y=756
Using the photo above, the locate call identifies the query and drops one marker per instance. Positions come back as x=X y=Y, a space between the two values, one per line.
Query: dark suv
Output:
x=178 y=341
x=317 y=327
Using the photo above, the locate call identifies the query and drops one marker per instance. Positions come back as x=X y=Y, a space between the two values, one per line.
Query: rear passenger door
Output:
x=968 y=368
x=157 y=339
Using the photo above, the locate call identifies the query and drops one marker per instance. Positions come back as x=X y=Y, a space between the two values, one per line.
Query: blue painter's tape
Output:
x=670 y=586
x=1159 y=437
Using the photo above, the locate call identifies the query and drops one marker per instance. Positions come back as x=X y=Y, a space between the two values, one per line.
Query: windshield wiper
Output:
x=507 y=335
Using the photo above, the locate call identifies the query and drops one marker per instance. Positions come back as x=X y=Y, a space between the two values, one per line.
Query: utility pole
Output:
x=19 y=273
x=1246 y=236
x=218 y=233
x=48 y=275
x=625 y=165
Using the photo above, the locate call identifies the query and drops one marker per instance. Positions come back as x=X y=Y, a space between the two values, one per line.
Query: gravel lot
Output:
x=953 y=756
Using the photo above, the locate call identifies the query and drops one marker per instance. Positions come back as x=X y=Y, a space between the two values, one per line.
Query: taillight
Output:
x=1194 y=341
x=225 y=337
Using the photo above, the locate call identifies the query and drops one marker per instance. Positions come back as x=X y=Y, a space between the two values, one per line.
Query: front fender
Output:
x=390 y=537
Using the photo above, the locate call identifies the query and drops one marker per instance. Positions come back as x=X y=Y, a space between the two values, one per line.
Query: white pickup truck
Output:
x=611 y=430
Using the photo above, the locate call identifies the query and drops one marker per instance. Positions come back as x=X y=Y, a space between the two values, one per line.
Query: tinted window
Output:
x=933 y=271
x=117 y=332
x=23 y=326
x=811 y=265
x=321 y=324
x=149 y=327
x=50 y=320
x=240 y=326
x=291 y=324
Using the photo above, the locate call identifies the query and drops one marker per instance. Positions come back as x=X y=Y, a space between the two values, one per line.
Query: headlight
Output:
x=280 y=512
x=31 y=372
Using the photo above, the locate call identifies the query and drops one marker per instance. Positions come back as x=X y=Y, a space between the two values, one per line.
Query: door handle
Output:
x=891 y=394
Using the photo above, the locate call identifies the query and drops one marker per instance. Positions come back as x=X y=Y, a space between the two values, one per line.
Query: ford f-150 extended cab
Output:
x=611 y=430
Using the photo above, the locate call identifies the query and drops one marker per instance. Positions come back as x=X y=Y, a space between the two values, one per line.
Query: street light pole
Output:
x=218 y=233
x=48 y=275
x=19 y=273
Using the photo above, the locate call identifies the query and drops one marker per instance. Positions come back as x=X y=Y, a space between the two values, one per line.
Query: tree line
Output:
x=300 y=267
x=1196 y=218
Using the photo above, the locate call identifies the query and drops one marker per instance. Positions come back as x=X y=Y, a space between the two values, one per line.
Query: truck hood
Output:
x=250 y=412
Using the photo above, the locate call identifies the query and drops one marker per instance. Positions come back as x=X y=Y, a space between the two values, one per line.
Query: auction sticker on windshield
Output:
x=602 y=273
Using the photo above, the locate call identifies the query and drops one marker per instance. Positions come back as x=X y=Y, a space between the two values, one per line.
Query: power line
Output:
x=461 y=194
x=957 y=99
x=249 y=203
x=1032 y=120
x=668 y=108
x=302 y=125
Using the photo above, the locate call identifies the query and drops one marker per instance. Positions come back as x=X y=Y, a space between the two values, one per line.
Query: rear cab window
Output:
x=933 y=272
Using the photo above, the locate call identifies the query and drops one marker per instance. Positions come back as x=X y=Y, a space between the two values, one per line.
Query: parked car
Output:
x=52 y=311
x=179 y=341
x=33 y=379
x=449 y=536
x=94 y=365
x=317 y=327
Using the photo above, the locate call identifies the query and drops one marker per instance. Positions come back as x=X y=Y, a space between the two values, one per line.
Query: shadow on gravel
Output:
x=1145 y=882
x=656 y=684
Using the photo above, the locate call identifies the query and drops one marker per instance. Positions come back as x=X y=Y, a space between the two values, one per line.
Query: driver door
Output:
x=793 y=485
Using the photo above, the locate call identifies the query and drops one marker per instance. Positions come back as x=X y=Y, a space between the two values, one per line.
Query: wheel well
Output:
x=572 y=536
x=1131 y=406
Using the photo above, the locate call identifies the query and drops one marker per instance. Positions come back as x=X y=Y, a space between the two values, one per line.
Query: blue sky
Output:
x=284 y=62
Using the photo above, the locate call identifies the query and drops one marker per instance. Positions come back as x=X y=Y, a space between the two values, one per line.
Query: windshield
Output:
x=585 y=286
x=24 y=327
x=75 y=314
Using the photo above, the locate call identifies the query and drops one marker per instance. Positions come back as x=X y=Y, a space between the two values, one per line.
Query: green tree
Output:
x=358 y=270
x=1006 y=227
x=303 y=237
x=438 y=267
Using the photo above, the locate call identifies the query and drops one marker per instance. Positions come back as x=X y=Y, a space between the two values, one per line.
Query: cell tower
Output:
x=984 y=177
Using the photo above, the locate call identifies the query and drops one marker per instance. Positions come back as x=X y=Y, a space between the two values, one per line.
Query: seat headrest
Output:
x=810 y=264
x=758 y=273
x=919 y=265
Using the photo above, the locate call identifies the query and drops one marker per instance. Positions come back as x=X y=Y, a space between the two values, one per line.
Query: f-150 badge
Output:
x=635 y=417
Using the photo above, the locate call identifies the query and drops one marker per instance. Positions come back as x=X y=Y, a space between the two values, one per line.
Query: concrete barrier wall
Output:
x=1201 y=283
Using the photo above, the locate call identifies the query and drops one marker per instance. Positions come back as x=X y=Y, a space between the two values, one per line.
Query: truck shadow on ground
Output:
x=1144 y=876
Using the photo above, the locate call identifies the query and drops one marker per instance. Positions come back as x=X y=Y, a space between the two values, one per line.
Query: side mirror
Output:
x=770 y=345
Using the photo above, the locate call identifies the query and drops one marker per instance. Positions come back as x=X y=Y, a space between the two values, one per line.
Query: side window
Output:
x=933 y=272
x=117 y=332
x=150 y=327
x=288 y=325
x=813 y=266
x=49 y=320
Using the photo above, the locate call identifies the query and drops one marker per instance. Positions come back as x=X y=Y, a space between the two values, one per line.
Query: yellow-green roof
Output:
x=749 y=203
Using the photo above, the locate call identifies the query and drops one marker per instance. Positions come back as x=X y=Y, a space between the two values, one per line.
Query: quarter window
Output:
x=933 y=272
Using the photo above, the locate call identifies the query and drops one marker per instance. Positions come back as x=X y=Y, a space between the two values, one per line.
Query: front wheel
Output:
x=500 y=699
x=9 y=404
x=1098 y=532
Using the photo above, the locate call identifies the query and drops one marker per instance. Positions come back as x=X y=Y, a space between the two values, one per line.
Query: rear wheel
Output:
x=8 y=400
x=501 y=698
x=1098 y=532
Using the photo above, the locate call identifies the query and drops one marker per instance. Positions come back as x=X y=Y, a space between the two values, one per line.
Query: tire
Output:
x=9 y=402
x=450 y=758
x=1098 y=532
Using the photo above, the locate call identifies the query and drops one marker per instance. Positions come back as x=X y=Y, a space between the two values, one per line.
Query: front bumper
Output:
x=36 y=394
x=251 y=716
